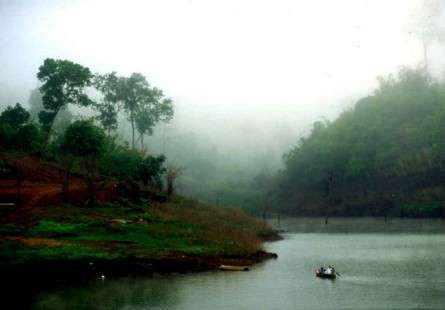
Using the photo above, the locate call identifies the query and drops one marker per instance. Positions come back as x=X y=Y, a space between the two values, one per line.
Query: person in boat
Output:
x=321 y=269
x=329 y=270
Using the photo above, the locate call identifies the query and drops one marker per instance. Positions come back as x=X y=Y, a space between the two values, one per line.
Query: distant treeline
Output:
x=385 y=156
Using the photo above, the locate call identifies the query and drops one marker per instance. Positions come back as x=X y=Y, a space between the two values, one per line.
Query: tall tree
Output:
x=155 y=108
x=132 y=91
x=145 y=106
x=64 y=83
x=61 y=120
x=108 y=106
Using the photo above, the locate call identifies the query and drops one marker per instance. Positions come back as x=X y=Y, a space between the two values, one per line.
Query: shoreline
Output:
x=79 y=270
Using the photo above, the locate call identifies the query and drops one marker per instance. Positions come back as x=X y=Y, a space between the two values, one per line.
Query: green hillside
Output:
x=386 y=155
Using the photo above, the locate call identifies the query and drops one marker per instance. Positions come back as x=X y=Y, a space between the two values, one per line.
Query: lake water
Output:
x=394 y=265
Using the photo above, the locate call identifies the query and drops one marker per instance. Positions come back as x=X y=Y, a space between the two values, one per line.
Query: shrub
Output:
x=14 y=116
x=16 y=133
x=29 y=138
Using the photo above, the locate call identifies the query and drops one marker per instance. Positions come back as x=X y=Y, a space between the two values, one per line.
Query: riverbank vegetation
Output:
x=125 y=231
x=72 y=190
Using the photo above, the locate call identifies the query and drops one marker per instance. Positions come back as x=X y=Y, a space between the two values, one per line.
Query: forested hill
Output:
x=386 y=155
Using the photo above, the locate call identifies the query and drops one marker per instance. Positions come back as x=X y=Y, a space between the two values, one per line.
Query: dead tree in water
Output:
x=328 y=193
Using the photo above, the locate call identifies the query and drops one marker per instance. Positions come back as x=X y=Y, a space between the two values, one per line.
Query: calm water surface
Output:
x=397 y=265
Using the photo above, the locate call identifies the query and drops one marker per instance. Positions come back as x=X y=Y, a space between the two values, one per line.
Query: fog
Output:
x=248 y=78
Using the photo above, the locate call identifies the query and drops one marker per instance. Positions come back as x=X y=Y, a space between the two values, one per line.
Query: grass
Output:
x=16 y=251
x=54 y=229
x=115 y=230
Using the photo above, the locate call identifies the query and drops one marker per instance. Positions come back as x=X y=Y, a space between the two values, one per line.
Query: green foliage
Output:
x=7 y=136
x=69 y=251
x=83 y=139
x=63 y=83
x=123 y=163
x=108 y=107
x=151 y=169
x=390 y=141
x=152 y=109
x=47 y=228
x=16 y=133
x=144 y=105
x=151 y=218
x=423 y=210
x=181 y=227
x=46 y=119
x=119 y=161
x=14 y=116
x=85 y=142
x=29 y=139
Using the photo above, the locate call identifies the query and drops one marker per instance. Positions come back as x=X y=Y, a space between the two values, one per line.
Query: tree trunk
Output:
x=142 y=142
x=132 y=134
x=50 y=127
x=329 y=189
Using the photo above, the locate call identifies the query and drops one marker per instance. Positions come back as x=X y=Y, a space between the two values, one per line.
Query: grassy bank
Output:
x=181 y=230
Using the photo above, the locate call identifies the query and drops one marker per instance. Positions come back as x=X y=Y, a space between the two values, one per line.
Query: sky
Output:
x=249 y=75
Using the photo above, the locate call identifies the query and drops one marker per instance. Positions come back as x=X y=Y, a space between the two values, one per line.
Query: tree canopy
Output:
x=14 y=116
x=391 y=143
x=82 y=138
x=64 y=83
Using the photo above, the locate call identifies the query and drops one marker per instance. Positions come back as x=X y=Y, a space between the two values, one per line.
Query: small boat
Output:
x=321 y=273
x=233 y=268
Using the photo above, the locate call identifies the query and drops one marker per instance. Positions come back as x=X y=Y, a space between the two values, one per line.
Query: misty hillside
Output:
x=385 y=155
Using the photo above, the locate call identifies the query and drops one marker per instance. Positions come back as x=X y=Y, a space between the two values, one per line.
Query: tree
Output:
x=61 y=120
x=85 y=141
x=145 y=106
x=108 y=106
x=29 y=139
x=16 y=132
x=64 y=83
x=151 y=168
x=15 y=116
x=132 y=91
x=119 y=161
x=153 y=109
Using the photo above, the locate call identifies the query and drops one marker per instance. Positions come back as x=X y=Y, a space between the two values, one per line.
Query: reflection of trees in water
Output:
x=128 y=293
